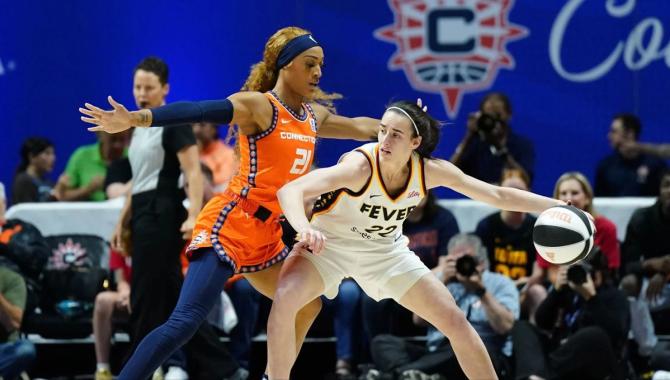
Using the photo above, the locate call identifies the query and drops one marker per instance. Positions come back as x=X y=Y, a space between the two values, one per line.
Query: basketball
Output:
x=563 y=235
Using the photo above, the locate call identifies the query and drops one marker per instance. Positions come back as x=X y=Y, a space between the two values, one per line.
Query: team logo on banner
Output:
x=451 y=47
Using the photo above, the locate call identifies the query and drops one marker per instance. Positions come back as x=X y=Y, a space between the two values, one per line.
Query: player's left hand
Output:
x=314 y=239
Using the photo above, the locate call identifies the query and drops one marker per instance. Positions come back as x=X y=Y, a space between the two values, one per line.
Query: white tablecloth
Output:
x=99 y=218
x=58 y=218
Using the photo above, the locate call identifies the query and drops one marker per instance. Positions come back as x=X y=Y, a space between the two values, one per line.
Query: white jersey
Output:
x=370 y=219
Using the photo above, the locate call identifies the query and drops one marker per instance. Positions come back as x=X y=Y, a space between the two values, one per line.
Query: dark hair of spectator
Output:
x=430 y=209
x=500 y=96
x=154 y=65
x=428 y=127
x=31 y=147
x=630 y=122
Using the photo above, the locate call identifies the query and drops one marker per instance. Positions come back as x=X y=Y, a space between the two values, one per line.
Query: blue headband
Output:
x=293 y=48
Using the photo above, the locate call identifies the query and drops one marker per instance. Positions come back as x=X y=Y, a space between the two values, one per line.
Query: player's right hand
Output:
x=314 y=239
x=114 y=121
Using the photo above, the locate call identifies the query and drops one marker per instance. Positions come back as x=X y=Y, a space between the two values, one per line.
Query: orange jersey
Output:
x=272 y=158
x=230 y=222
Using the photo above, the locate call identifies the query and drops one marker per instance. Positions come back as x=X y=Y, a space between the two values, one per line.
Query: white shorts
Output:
x=373 y=271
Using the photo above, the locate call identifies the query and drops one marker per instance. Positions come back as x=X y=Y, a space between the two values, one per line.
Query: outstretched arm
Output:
x=351 y=173
x=444 y=173
x=243 y=108
x=339 y=127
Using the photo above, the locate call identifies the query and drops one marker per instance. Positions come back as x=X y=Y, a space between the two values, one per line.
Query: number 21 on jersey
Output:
x=301 y=163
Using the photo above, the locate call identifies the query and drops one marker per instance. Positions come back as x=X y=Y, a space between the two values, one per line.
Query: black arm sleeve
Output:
x=179 y=113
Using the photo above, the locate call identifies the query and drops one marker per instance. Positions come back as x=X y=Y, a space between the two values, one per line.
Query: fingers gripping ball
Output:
x=563 y=235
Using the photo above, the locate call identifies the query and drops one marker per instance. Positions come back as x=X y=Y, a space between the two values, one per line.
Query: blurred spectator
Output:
x=582 y=327
x=625 y=172
x=490 y=145
x=86 y=169
x=31 y=183
x=508 y=238
x=158 y=223
x=574 y=187
x=216 y=154
x=489 y=300
x=646 y=250
x=429 y=228
x=118 y=178
x=654 y=352
x=15 y=355
x=109 y=305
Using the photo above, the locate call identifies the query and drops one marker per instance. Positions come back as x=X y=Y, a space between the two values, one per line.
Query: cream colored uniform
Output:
x=364 y=234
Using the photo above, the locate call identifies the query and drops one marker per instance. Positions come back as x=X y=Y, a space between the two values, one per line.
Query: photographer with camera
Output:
x=490 y=145
x=489 y=300
x=582 y=326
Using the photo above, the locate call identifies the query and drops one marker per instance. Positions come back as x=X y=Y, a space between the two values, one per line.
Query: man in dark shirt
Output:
x=626 y=172
x=489 y=147
x=646 y=250
x=584 y=326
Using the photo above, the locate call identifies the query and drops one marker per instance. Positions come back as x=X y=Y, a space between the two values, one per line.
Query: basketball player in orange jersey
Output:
x=356 y=231
x=280 y=112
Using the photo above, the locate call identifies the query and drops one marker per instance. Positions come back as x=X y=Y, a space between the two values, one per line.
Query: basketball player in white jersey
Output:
x=356 y=231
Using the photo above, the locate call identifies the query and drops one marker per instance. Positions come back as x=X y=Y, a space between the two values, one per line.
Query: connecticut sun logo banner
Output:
x=451 y=46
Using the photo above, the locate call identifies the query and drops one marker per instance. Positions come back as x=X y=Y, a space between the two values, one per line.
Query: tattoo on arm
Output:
x=144 y=118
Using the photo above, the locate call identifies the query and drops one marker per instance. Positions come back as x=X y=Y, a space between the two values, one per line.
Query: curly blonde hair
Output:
x=264 y=74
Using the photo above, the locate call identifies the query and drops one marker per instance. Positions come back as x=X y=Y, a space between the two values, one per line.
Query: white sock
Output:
x=102 y=367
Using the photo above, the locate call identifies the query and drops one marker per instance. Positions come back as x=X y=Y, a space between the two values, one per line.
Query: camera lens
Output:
x=577 y=274
x=487 y=122
x=466 y=265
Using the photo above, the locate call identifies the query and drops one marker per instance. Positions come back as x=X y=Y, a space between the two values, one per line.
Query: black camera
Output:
x=486 y=122
x=466 y=265
x=577 y=273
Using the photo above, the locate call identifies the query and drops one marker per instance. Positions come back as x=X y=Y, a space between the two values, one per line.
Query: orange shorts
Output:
x=249 y=244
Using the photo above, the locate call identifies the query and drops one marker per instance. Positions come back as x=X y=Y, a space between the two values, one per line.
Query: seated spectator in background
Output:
x=111 y=304
x=489 y=300
x=16 y=355
x=490 y=145
x=574 y=187
x=117 y=180
x=31 y=183
x=625 y=172
x=655 y=353
x=85 y=172
x=508 y=238
x=646 y=250
x=582 y=327
x=429 y=228
x=216 y=154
